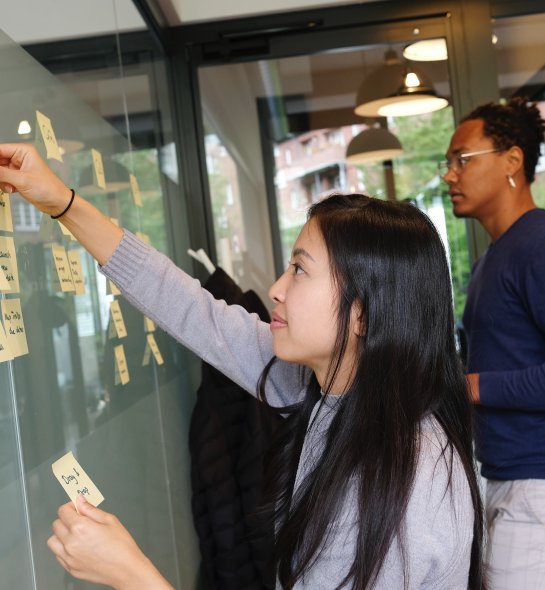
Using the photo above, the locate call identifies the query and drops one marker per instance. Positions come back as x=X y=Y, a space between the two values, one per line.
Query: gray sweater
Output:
x=439 y=519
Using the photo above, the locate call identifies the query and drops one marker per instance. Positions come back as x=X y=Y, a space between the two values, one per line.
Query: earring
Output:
x=511 y=181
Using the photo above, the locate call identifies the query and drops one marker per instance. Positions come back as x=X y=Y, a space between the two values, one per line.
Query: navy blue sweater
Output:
x=505 y=323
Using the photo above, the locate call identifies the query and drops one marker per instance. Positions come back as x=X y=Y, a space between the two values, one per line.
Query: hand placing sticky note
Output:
x=75 y=481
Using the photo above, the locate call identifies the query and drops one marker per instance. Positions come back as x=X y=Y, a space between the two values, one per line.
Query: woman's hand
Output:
x=94 y=546
x=23 y=170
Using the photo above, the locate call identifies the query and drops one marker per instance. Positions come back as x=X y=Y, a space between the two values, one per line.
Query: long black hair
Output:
x=387 y=258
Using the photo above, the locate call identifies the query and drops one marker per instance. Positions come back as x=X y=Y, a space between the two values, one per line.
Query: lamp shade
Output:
x=397 y=90
x=427 y=50
x=373 y=144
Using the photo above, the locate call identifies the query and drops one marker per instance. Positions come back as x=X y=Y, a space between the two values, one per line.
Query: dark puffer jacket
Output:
x=230 y=432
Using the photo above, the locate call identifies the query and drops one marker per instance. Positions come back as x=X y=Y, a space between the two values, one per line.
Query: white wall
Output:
x=191 y=11
x=34 y=21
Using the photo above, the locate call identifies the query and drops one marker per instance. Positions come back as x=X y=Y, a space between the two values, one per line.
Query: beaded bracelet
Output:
x=68 y=206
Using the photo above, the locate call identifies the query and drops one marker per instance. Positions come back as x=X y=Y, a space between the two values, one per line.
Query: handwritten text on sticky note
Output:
x=75 y=481
x=14 y=326
x=121 y=368
x=63 y=267
x=8 y=263
x=76 y=269
x=6 y=222
x=117 y=318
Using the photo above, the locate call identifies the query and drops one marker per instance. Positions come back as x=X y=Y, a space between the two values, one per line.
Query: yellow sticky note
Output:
x=98 y=169
x=75 y=481
x=117 y=318
x=66 y=232
x=121 y=368
x=48 y=136
x=76 y=269
x=111 y=288
x=154 y=349
x=149 y=325
x=14 y=326
x=4 y=284
x=143 y=237
x=5 y=350
x=137 y=197
x=147 y=355
x=63 y=268
x=112 y=332
x=8 y=263
x=6 y=222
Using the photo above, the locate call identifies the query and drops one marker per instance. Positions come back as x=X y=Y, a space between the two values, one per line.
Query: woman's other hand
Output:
x=94 y=546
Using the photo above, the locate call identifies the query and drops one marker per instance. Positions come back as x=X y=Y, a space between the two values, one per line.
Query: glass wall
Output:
x=72 y=378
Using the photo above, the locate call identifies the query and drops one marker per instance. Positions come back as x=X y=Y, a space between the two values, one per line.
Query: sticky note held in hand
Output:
x=75 y=481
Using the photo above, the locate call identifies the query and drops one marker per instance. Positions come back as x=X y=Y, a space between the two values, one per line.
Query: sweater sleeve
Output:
x=523 y=389
x=227 y=337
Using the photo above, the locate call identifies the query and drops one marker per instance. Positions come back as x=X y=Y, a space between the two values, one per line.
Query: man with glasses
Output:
x=490 y=166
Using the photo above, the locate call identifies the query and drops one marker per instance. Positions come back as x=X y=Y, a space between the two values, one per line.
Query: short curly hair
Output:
x=517 y=123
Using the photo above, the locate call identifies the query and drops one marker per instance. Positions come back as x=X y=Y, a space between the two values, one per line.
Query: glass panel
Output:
x=520 y=47
x=132 y=438
x=15 y=559
x=302 y=109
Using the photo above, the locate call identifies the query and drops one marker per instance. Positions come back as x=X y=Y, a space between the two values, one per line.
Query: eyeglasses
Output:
x=459 y=161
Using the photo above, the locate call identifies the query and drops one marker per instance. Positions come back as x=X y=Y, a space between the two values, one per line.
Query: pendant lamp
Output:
x=427 y=50
x=373 y=144
x=397 y=89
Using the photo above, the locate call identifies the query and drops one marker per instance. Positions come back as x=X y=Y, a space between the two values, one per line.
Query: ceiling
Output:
x=192 y=11
x=68 y=19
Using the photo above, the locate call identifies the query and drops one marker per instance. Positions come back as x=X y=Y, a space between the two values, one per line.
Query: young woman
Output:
x=374 y=484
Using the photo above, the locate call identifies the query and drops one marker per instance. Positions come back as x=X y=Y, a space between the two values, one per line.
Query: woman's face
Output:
x=304 y=320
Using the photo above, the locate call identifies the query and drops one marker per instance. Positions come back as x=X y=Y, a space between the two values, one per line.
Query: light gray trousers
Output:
x=515 y=553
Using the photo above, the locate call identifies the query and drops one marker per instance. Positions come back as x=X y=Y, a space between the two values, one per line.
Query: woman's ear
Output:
x=357 y=319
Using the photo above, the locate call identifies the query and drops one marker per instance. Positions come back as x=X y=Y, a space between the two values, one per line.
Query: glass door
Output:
x=286 y=123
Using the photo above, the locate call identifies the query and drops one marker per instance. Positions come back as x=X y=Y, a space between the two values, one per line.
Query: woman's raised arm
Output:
x=23 y=170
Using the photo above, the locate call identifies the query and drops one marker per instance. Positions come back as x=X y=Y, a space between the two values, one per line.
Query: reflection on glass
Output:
x=520 y=46
x=229 y=230
x=65 y=391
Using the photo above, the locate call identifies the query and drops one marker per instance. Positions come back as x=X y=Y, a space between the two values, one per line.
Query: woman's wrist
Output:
x=143 y=574
x=65 y=210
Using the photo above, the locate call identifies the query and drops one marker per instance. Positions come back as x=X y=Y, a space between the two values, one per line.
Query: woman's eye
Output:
x=297 y=269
